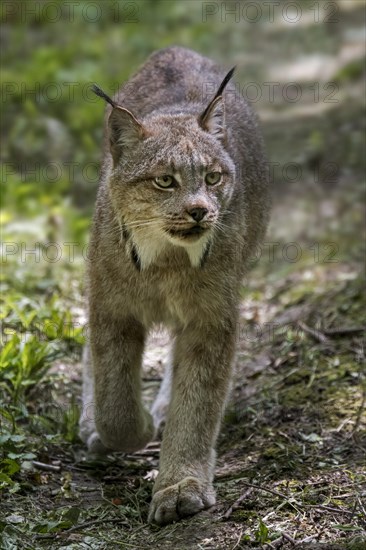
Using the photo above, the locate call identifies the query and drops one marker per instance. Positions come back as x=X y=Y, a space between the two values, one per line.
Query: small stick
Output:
x=260 y=488
x=82 y=526
x=345 y=330
x=236 y=504
x=239 y=539
x=329 y=509
x=347 y=495
x=289 y=538
x=46 y=467
x=361 y=506
x=280 y=540
x=144 y=454
x=314 y=333
x=154 y=444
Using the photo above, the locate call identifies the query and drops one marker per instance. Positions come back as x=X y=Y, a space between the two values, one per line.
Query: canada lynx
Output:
x=182 y=204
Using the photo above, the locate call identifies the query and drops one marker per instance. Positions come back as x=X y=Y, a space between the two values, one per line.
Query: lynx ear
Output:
x=213 y=120
x=124 y=131
x=213 y=117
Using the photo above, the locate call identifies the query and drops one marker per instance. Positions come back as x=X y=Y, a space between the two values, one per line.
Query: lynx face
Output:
x=171 y=178
x=172 y=186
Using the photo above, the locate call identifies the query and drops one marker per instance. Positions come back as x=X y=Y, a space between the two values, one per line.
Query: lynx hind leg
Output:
x=87 y=430
x=159 y=409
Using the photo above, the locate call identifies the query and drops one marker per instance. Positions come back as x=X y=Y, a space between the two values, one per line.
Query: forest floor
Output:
x=291 y=454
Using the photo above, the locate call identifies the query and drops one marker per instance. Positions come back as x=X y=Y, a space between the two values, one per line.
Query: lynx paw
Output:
x=89 y=435
x=95 y=446
x=185 y=498
x=126 y=436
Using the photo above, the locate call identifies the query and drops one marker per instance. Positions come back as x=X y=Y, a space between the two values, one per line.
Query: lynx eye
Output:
x=212 y=178
x=165 y=182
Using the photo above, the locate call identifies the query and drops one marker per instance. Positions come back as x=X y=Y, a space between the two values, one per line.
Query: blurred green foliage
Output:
x=51 y=122
x=53 y=51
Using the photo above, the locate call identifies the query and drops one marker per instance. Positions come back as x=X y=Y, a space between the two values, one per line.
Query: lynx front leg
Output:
x=201 y=379
x=87 y=429
x=122 y=423
x=159 y=409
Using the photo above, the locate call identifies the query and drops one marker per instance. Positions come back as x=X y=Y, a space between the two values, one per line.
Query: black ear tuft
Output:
x=124 y=130
x=218 y=93
x=99 y=92
x=225 y=81
x=212 y=119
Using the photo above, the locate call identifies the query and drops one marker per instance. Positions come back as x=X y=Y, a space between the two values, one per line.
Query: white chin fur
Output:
x=194 y=249
x=149 y=247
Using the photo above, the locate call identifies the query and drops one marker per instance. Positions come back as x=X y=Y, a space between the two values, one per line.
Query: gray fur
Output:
x=140 y=274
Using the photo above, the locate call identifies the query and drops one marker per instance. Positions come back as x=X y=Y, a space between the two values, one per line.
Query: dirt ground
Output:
x=291 y=453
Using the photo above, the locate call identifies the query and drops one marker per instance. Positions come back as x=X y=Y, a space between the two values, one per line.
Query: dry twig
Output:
x=46 y=467
x=80 y=526
x=328 y=509
x=236 y=504
x=320 y=337
x=343 y=330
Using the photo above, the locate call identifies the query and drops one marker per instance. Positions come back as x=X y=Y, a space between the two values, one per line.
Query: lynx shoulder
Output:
x=182 y=204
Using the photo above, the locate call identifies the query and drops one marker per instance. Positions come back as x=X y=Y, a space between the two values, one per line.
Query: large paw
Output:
x=126 y=435
x=89 y=435
x=95 y=445
x=185 y=498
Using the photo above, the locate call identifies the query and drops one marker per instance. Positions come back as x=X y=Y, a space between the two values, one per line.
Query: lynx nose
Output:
x=197 y=213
